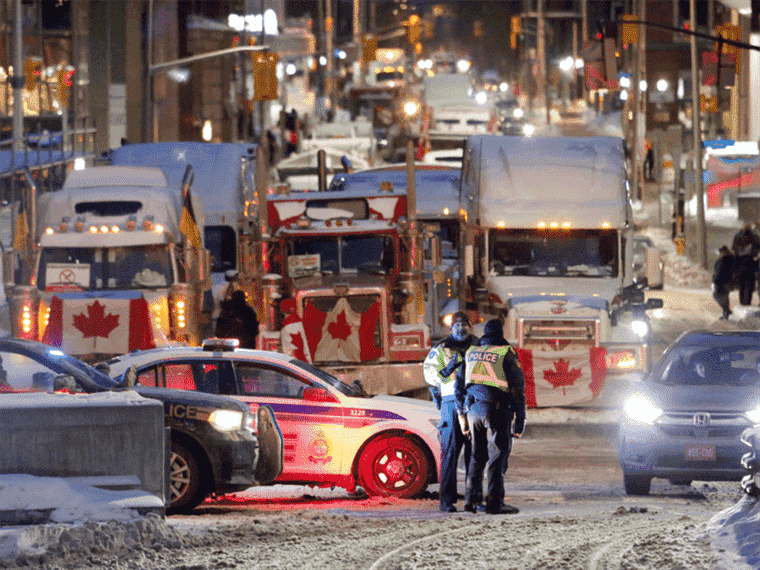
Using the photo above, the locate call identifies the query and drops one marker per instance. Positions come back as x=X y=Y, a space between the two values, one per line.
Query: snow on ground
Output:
x=100 y=523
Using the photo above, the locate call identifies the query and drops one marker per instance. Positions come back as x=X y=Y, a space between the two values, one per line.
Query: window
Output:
x=21 y=373
x=147 y=378
x=259 y=381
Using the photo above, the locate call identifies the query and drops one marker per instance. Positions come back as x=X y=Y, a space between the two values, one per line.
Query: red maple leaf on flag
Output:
x=561 y=375
x=96 y=323
x=339 y=328
x=297 y=341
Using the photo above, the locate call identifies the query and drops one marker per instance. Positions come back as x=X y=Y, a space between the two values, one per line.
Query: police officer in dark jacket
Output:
x=490 y=394
x=746 y=246
x=439 y=369
x=238 y=319
x=723 y=279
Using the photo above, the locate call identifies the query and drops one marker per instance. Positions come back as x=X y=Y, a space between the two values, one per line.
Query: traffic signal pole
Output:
x=18 y=82
x=699 y=184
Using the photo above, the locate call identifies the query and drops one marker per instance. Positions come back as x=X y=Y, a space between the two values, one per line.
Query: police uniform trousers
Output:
x=489 y=429
x=452 y=441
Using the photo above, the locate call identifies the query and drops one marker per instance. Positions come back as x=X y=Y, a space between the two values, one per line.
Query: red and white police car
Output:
x=334 y=434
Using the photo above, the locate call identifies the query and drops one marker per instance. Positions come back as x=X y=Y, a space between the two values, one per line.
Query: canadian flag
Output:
x=561 y=378
x=293 y=338
x=342 y=334
x=99 y=325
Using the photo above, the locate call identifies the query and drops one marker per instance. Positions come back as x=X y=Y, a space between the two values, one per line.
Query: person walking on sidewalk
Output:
x=746 y=247
x=490 y=392
x=439 y=369
x=723 y=280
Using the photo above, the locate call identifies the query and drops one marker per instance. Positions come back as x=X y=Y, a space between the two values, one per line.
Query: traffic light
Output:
x=414 y=29
x=516 y=31
x=265 y=82
x=629 y=31
x=32 y=72
x=730 y=32
x=64 y=85
x=369 y=47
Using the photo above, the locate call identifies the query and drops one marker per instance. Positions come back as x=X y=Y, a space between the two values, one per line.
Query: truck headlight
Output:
x=641 y=409
x=226 y=420
x=640 y=327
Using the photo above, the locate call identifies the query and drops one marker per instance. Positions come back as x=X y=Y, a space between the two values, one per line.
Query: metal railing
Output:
x=48 y=156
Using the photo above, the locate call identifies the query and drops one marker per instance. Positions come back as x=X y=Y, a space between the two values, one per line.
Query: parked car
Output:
x=335 y=434
x=684 y=421
x=217 y=446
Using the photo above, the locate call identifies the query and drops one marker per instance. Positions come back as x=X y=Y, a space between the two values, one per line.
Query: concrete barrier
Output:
x=112 y=440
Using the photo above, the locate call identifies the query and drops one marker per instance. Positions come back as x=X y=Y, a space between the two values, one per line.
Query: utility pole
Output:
x=699 y=187
x=18 y=82
x=541 y=57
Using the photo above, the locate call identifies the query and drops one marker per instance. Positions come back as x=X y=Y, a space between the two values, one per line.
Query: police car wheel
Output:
x=393 y=466
x=184 y=479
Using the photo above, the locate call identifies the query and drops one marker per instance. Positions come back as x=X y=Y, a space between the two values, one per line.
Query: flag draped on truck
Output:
x=562 y=378
x=85 y=324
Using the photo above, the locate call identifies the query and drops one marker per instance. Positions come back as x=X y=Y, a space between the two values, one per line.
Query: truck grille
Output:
x=577 y=330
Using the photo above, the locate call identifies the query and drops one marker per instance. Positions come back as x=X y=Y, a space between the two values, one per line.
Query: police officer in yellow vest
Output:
x=439 y=367
x=490 y=392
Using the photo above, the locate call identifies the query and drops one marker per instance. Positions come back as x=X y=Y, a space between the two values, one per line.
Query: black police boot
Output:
x=471 y=507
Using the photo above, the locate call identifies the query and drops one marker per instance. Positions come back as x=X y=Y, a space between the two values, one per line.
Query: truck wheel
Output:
x=184 y=480
x=393 y=466
x=637 y=484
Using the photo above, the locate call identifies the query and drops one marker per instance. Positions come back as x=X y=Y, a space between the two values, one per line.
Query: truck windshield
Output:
x=93 y=269
x=566 y=253
x=341 y=254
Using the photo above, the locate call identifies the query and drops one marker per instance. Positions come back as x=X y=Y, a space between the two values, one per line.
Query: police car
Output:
x=217 y=446
x=334 y=434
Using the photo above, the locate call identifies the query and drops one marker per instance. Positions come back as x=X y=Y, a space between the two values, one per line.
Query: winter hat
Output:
x=493 y=329
x=460 y=317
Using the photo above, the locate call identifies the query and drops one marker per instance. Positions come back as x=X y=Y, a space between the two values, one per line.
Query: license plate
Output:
x=700 y=452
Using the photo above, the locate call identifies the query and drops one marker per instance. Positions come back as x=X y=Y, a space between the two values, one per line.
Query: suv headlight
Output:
x=226 y=420
x=640 y=409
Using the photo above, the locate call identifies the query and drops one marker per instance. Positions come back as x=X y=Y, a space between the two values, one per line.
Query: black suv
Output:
x=217 y=446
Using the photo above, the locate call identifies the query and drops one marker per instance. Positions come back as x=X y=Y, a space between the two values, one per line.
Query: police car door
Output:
x=309 y=417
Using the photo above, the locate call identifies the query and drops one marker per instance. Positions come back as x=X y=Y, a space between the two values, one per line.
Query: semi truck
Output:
x=548 y=248
x=110 y=269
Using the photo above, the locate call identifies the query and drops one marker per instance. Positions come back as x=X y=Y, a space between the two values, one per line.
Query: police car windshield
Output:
x=349 y=390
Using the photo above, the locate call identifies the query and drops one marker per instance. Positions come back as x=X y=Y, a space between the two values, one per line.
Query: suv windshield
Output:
x=94 y=269
x=699 y=365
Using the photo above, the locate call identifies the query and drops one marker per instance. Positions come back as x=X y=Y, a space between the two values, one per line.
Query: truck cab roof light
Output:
x=159 y=229
x=606 y=225
x=115 y=229
x=103 y=229
x=303 y=222
x=93 y=229
x=386 y=187
x=148 y=223
x=49 y=231
x=131 y=223
x=220 y=344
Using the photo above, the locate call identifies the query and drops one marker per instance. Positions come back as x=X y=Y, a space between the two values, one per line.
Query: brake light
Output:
x=494 y=299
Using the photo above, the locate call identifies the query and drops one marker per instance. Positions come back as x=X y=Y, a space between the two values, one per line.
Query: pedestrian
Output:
x=746 y=247
x=490 y=391
x=648 y=162
x=237 y=319
x=723 y=280
x=439 y=370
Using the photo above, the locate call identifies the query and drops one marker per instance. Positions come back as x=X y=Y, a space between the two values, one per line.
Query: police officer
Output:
x=439 y=369
x=490 y=392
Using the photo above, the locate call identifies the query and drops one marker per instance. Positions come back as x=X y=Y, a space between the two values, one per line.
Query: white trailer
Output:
x=548 y=247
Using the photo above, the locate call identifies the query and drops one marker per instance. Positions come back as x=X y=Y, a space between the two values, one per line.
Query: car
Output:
x=215 y=447
x=684 y=420
x=335 y=434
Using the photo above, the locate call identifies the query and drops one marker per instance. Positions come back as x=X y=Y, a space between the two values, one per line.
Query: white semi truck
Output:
x=548 y=248
x=112 y=270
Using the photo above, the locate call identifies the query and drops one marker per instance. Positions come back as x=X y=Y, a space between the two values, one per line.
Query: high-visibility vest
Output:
x=436 y=360
x=485 y=365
